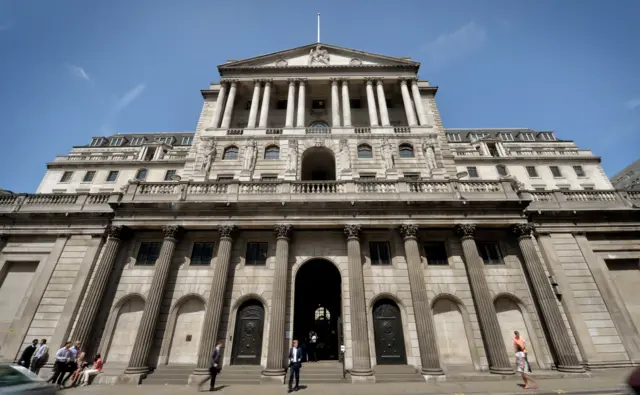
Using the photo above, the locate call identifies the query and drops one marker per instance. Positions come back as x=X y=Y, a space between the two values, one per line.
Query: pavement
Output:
x=608 y=382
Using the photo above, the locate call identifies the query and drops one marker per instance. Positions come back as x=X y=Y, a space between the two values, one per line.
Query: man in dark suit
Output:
x=216 y=365
x=295 y=363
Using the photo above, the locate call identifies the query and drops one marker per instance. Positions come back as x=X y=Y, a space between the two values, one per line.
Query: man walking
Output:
x=313 y=343
x=60 y=365
x=520 y=344
x=295 y=363
x=72 y=365
x=41 y=357
x=215 y=367
x=25 y=358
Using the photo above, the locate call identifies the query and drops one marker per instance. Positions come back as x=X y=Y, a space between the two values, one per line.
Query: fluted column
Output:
x=567 y=360
x=301 y=102
x=146 y=331
x=264 y=110
x=95 y=293
x=408 y=106
x=255 y=99
x=499 y=361
x=417 y=101
x=382 y=103
x=335 y=104
x=357 y=305
x=228 y=109
x=291 y=104
x=371 y=103
x=429 y=356
x=215 y=119
x=346 y=104
x=275 y=356
x=215 y=303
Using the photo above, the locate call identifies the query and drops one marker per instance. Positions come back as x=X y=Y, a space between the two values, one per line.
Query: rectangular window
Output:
x=281 y=105
x=116 y=142
x=579 y=171
x=355 y=103
x=502 y=170
x=66 y=176
x=411 y=176
x=367 y=176
x=506 y=136
x=527 y=137
x=380 y=253
x=531 y=170
x=563 y=188
x=88 y=176
x=318 y=104
x=454 y=137
x=112 y=176
x=477 y=136
x=225 y=178
x=169 y=174
x=97 y=142
x=547 y=136
x=493 y=150
x=201 y=253
x=539 y=189
x=490 y=253
x=138 y=140
x=187 y=140
x=165 y=140
x=269 y=178
x=555 y=170
x=256 y=254
x=436 y=253
x=473 y=172
x=588 y=188
x=148 y=253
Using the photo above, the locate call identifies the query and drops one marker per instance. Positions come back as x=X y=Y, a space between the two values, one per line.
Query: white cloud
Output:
x=128 y=97
x=633 y=104
x=454 y=46
x=79 y=72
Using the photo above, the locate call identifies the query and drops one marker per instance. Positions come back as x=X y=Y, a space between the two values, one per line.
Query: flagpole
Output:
x=318 y=28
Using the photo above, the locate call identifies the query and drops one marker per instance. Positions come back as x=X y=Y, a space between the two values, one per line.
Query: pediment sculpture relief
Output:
x=318 y=55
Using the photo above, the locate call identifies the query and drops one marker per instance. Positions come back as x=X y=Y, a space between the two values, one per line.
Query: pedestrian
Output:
x=25 y=358
x=295 y=363
x=215 y=367
x=60 y=365
x=41 y=357
x=313 y=344
x=72 y=364
x=522 y=367
x=95 y=370
x=518 y=341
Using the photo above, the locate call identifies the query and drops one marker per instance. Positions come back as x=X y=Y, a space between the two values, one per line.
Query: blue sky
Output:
x=73 y=69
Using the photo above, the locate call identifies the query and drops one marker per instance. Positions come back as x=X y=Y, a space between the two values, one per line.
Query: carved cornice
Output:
x=465 y=230
x=172 y=232
x=228 y=81
x=409 y=231
x=226 y=231
x=283 y=231
x=117 y=232
x=523 y=230
x=352 y=231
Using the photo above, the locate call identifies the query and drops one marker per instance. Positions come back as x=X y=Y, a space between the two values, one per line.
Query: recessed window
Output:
x=380 y=253
x=88 y=176
x=187 y=140
x=493 y=150
x=477 y=136
x=97 y=142
x=116 y=142
x=138 y=140
x=367 y=176
x=66 y=176
x=148 y=253
x=151 y=151
x=473 y=172
x=168 y=176
x=230 y=153
x=365 y=151
x=502 y=170
x=490 y=253
x=281 y=105
x=531 y=171
x=539 y=189
x=563 y=188
x=454 y=137
x=201 y=253
x=112 y=176
x=256 y=254
x=225 y=178
x=411 y=176
x=269 y=177
x=405 y=150
x=506 y=136
x=355 y=103
x=272 y=152
x=579 y=171
x=547 y=136
x=588 y=188
x=141 y=175
x=555 y=170
x=165 y=140
x=436 y=253
x=527 y=137
x=318 y=104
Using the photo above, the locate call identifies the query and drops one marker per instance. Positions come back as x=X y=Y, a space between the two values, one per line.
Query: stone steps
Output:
x=320 y=372
x=170 y=375
x=239 y=374
x=397 y=374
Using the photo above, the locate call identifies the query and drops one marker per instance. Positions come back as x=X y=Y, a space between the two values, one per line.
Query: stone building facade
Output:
x=320 y=191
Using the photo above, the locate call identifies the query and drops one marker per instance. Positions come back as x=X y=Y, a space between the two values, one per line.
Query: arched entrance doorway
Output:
x=247 y=337
x=388 y=333
x=318 y=307
x=318 y=164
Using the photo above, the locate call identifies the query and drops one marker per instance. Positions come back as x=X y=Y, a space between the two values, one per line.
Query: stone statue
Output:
x=209 y=156
x=249 y=159
x=292 y=157
x=429 y=154
x=318 y=55
x=345 y=157
x=387 y=154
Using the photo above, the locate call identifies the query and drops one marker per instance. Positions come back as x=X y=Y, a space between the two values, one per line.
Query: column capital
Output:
x=403 y=80
x=409 y=231
x=334 y=80
x=344 y=79
x=231 y=81
x=371 y=78
x=301 y=80
x=523 y=230
x=283 y=231
x=465 y=230
x=172 y=232
x=116 y=232
x=352 y=231
x=292 y=81
x=226 y=231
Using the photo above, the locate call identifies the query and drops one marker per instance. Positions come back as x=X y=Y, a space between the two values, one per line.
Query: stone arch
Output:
x=411 y=359
x=513 y=315
x=366 y=148
x=452 y=322
x=122 y=328
x=406 y=147
x=272 y=152
x=170 y=335
x=227 y=150
x=318 y=164
x=242 y=302
x=298 y=265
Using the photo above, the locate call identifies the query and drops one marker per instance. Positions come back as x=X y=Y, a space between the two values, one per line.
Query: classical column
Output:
x=215 y=303
x=147 y=329
x=382 y=102
x=215 y=120
x=255 y=99
x=346 y=104
x=95 y=292
x=417 y=101
x=408 y=106
x=499 y=361
x=567 y=360
x=291 y=103
x=275 y=366
x=228 y=109
x=264 y=110
x=371 y=102
x=429 y=356
x=335 y=103
x=301 y=100
x=357 y=305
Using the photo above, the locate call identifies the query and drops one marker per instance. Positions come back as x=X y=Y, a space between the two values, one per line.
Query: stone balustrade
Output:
x=58 y=202
x=520 y=153
x=583 y=200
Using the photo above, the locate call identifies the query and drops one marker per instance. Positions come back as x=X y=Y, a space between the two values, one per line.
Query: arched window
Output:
x=272 y=152
x=322 y=313
x=406 y=150
x=365 y=151
x=319 y=125
x=230 y=153
x=141 y=175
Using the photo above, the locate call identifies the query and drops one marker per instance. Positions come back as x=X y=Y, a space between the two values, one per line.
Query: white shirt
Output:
x=294 y=354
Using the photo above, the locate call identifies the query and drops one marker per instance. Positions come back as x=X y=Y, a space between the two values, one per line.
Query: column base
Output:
x=431 y=371
x=196 y=379
x=136 y=370
x=131 y=379
x=274 y=372
x=273 y=377
x=498 y=370
x=570 y=368
x=362 y=377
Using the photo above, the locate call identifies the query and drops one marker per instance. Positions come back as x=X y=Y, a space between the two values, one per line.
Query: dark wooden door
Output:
x=247 y=339
x=387 y=327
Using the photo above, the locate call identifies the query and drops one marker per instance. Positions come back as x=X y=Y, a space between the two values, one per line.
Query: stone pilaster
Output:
x=146 y=331
x=264 y=110
x=275 y=356
x=361 y=371
x=371 y=103
x=255 y=99
x=346 y=104
x=567 y=360
x=499 y=361
x=382 y=103
x=302 y=97
x=228 y=109
x=291 y=103
x=408 y=105
x=95 y=292
x=222 y=95
x=429 y=356
x=335 y=103
x=417 y=100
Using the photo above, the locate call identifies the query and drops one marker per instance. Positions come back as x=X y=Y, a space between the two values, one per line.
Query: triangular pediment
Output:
x=319 y=55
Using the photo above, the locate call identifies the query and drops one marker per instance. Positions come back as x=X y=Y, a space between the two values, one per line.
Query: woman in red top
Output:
x=97 y=368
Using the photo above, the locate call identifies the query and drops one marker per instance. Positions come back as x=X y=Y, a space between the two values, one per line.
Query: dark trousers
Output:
x=312 y=356
x=59 y=369
x=213 y=372
x=70 y=368
x=294 y=370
